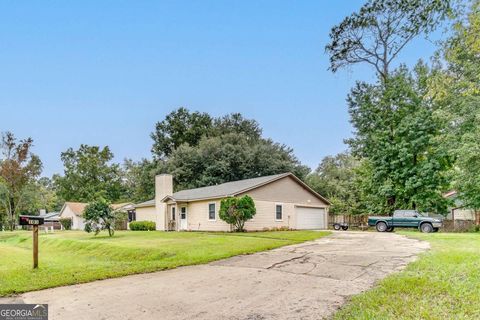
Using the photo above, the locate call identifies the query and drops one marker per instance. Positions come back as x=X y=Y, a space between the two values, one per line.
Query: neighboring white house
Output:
x=281 y=200
x=74 y=211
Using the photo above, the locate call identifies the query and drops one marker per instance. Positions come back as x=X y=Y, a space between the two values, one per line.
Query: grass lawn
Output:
x=443 y=284
x=71 y=257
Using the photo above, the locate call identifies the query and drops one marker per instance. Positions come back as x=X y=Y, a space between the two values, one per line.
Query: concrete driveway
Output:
x=306 y=281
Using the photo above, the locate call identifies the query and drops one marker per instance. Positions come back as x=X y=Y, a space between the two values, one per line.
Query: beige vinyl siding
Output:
x=197 y=217
x=285 y=190
x=266 y=214
x=146 y=214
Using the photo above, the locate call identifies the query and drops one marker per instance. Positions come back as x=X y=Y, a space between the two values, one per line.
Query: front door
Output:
x=183 y=218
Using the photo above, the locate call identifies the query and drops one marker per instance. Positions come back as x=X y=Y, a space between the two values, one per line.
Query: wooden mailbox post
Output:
x=33 y=221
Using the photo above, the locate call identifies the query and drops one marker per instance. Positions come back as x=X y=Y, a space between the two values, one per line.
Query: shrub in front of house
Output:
x=66 y=223
x=121 y=220
x=142 y=226
x=282 y=228
x=236 y=211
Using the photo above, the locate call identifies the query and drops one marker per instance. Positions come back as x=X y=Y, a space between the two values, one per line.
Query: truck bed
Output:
x=372 y=220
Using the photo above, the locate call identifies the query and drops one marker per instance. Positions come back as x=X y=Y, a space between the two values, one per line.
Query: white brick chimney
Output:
x=163 y=188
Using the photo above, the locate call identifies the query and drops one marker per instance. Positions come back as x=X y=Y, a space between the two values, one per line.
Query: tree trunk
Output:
x=414 y=205
x=391 y=203
x=240 y=225
x=11 y=215
x=477 y=217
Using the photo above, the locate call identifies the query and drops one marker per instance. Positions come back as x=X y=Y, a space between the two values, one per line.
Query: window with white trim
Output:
x=278 y=212
x=211 y=211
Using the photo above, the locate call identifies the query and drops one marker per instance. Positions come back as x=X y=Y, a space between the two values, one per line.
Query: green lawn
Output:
x=72 y=257
x=443 y=284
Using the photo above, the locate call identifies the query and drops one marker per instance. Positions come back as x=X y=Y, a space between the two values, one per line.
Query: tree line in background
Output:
x=415 y=134
x=198 y=149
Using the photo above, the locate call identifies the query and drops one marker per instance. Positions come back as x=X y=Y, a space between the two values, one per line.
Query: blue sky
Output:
x=103 y=72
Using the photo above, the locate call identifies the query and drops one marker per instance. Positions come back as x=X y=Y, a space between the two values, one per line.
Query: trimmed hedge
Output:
x=142 y=226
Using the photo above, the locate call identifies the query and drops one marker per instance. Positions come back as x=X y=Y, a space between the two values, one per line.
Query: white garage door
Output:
x=310 y=218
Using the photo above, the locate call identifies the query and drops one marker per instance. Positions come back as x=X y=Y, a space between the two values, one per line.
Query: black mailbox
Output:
x=30 y=221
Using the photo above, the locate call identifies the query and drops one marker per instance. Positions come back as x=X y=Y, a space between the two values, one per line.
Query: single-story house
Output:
x=74 y=211
x=281 y=200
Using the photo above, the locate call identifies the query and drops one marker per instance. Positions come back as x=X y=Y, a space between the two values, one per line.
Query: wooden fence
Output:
x=352 y=220
x=458 y=225
x=361 y=222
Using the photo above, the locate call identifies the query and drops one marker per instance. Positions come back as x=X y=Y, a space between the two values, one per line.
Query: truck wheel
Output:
x=381 y=227
x=426 y=228
x=390 y=229
x=336 y=226
x=344 y=228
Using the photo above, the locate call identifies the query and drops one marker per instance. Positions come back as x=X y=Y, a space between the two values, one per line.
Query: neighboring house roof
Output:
x=149 y=203
x=449 y=194
x=229 y=189
x=76 y=207
x=124 y=205
x=79 y=207
x=50 y=216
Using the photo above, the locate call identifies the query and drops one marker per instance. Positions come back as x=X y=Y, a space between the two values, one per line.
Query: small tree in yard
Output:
x=19 y=169
x=236 y=211
x=99 y=215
